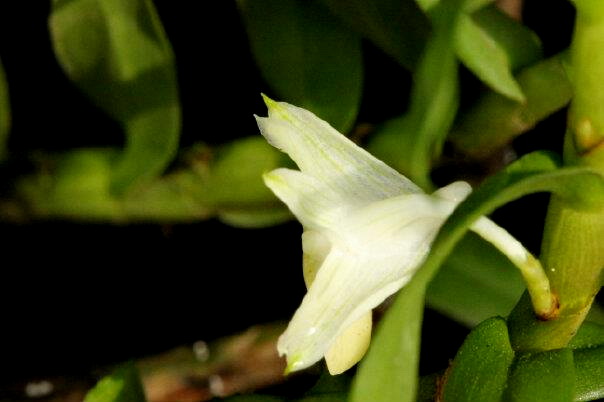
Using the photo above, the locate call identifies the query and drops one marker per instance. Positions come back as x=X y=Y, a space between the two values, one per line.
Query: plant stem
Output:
x=572 y=250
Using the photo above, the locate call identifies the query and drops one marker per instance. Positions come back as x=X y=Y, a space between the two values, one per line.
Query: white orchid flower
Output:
x=367 y=229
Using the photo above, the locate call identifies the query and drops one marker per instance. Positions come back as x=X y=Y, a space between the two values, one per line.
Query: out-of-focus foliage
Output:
x=307 y=56
x=117 y=52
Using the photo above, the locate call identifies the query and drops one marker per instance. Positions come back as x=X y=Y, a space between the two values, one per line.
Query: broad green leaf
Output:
x=521 y=45
x=480 y=369
x=483 y=55
x=123 y=385
x=5 y=113
x=389 y=370
x=398 y=27
x=434 y=97
x=476 y=282
x=589 y=370
x=495 y=120
x=589 y=335
x=118 y=54
x=546 y=376
x=307 y=56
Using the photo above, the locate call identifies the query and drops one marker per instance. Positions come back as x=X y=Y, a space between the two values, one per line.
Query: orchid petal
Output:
x=321 y=151
x=350 y=347
x=392 y=239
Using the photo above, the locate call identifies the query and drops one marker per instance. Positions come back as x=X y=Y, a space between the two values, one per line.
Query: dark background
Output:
x=75 y=296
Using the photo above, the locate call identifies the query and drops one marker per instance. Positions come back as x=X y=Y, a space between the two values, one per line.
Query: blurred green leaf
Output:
x=428 y=387
x=495 y=120
x=118 y=54
x=521 y=45
x=469 y=6
x=434 y=98
x=475 y=282
x=5 y=113
x=483 y=55
x=123 y=385
x=389 y=370
x=225 y=182
x=308 y=57
x=589 y=370
x=589 y=335
x=547 y=376
x=232 y=183
x=398 y=27
x=480 y=369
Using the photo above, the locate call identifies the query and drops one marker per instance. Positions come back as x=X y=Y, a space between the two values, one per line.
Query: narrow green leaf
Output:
x=589 y=369
x=483 y=55
x=398 y=27
x=308 y=57
x=475 y=282
x=547 y=376
x=389 y=371
x=495 y=120
x=434 y=97
x=521 y=45
x=118 y=54
x=5 y=113
x=536 y=172
x=123 y=385
x=480 y=369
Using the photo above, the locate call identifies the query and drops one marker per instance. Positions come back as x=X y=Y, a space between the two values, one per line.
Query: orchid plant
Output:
x=375 y=160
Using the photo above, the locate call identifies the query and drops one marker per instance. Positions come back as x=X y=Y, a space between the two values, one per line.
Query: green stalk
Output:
x=573 y=244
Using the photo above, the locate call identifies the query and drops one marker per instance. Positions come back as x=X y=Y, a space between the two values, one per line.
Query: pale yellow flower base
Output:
x=350 y=347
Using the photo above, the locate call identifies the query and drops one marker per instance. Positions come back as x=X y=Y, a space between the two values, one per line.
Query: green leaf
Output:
x=123 y=385
x=224 y=182
x=521 y=45
x=536 y=172
x=389 y=370
x=434 y=97
x=308 y=57
x=480 y=369
x=547 y=376
x=589 y=335
x=475 y=282
x=495 y=120
x=5 y=113
x=232 y=183
x=589 y=370
x=469 y=6
x=483 y=55
x=398 y=27
x=118 y=54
